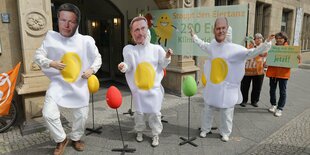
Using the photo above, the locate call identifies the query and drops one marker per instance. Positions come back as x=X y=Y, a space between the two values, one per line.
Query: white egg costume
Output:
x=147 y=97
x=223 y=87
x=223 y=70
x=70 y=91
x=144 y=66
x=54 y=46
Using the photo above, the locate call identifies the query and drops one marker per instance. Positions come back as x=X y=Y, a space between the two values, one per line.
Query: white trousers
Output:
x=51 y=114
x=226 y=120
x=153 y=119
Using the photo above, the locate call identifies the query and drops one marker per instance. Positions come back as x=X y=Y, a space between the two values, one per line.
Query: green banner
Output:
x=170 y=28
x=283 y=56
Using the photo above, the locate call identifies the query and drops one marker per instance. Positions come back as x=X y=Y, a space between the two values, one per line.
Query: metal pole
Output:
x=188 y=117
x=92 y=102
x=120 y=129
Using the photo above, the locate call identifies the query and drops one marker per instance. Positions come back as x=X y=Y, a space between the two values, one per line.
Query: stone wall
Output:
x=9 y=37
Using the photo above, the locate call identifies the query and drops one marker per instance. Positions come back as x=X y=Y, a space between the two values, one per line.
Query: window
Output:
x=284 y=21
x=287 y=22
x=305 y=35
x=225 y=2
x=262 y=18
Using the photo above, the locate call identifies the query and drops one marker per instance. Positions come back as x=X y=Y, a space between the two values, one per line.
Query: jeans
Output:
x=282 y=86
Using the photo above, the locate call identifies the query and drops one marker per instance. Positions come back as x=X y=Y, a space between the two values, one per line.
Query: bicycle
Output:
x=8 y=120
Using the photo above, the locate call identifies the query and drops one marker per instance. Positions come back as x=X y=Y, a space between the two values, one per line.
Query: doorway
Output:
x=102 y=20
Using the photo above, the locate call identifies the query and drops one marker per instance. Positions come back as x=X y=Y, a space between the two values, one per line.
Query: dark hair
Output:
x=72 y=8
x=282 y=35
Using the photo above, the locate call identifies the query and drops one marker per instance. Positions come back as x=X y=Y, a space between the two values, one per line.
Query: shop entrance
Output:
x=102 y=20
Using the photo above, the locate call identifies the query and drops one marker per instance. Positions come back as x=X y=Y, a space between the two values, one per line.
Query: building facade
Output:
x=24 y=24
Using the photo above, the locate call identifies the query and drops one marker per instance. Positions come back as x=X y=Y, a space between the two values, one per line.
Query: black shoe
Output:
x=243 y=104
x=254 y=104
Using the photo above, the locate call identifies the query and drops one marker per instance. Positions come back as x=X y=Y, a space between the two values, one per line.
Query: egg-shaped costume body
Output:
x=67 y=87
x=224 y=70
x=144 y=74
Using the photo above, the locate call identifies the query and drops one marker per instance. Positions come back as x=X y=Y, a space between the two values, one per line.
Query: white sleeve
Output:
x=253 y=52
x=229 y=35
x=97 y=62
x=40 y=57
x=128 y=58
x=94 y=56
x=203 y=45
x=163 y=61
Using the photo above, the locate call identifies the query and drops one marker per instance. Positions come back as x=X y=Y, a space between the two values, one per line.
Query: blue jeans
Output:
x=282 y=86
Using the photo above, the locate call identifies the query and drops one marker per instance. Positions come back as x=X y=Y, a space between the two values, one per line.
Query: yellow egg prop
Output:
x=93 y=84
x=73 y=67
x=203 y=79
x=219 y=70
x=144 y=76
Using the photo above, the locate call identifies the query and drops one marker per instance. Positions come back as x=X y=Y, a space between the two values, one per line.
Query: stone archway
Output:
x=103 y=21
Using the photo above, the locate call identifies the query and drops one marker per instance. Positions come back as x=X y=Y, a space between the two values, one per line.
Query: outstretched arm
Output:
x=260 y=49
x=203 y=45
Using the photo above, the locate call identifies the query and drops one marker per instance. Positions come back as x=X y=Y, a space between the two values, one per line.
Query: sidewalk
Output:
x=255 y=130
x=305 y=60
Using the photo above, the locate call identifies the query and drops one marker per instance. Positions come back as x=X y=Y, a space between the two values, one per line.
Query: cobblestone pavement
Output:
x=255 y=130
x=293 y=138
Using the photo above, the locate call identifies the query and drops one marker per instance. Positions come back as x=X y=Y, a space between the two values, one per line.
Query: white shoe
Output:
x=203 y=134
x=272 y=109
x=155 y=141
x=225 y=138
x=139 y=137
x=278 y=113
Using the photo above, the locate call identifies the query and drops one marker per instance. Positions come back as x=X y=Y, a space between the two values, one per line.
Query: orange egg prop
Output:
x=93 y=84
x=114 y=97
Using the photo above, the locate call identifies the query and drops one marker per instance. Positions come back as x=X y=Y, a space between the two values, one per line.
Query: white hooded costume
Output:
x=143 y=69
x=73 y=94
x=224 y=70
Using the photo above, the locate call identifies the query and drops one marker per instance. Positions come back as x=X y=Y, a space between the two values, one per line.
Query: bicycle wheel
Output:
x=7 y=121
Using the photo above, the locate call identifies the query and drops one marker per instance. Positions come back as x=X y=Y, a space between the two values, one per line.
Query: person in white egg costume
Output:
x=143 y=67
x=68 y=59
x=223 y=71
